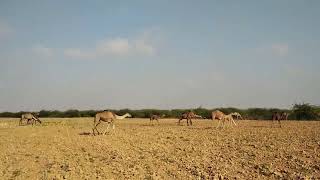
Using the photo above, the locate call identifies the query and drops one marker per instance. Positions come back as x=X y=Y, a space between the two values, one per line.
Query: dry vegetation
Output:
x=65 y=149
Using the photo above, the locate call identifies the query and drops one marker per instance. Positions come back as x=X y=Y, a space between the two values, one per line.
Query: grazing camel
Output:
x=276 y=116
x=237 y=115
x=108 y=117
x=30 y=119
x=221 y=117
x=156 y=117
x=227 y=118
x=188 y=116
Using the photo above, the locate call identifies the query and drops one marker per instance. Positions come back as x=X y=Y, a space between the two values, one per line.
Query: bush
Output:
x=305 y=111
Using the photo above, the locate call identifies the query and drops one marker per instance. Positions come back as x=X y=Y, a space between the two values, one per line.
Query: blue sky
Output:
x=158 y=54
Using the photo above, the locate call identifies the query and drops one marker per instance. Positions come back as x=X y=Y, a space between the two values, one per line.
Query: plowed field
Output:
x=65 y=149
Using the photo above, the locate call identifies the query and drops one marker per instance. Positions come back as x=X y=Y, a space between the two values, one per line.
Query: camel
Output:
x=30 y=119
x=217 y=115
x=236 y=115
x=108 y=117
x=156 y=117
x=276 y=116
x=221 y=117
x=227 y=118
x=188 y=116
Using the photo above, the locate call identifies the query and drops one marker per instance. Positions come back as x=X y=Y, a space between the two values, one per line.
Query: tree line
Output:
x=304 y=111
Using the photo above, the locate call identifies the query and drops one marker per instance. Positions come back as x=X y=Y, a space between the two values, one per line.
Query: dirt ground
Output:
x=66 y=149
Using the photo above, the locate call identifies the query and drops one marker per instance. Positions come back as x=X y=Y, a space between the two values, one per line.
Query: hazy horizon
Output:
x=59 y=55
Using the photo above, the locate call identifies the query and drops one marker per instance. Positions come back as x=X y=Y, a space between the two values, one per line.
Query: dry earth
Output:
x=66 y=149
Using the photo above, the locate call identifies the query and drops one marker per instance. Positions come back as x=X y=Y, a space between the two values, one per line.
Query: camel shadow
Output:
x=264 y=126
x=149 y=125
x=85 y=134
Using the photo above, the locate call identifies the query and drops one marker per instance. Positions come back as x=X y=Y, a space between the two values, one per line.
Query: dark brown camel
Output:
x=156 y=117
x=276 y=116
x=188 y=116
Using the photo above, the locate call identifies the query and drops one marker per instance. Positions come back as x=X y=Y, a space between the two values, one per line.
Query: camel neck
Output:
x=121 y=117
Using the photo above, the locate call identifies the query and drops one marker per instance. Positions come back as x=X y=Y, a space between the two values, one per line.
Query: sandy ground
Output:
x=66 y=149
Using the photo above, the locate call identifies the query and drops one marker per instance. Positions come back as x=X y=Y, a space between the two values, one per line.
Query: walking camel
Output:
x=156 y=117
x=189 y=116
x=108 y=117
x=30 y=118
x=221 y=117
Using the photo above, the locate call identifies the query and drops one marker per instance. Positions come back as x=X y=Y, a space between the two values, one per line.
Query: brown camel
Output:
x=222 y=118
x=108 y=117
x=276 y=116
x=156 y=117
x=30 y=118
x=217 y=115
x=188 y=116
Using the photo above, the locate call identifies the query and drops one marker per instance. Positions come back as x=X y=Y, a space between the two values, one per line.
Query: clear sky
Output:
x=158 y=54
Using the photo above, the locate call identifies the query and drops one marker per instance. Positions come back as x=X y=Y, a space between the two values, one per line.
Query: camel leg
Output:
x=279 y=122
x=234 y=122
x=187 y=122
x=105 y=131
x=34 y=121
x=218 y=123
x=191 y=122
x=20 y=122
x=179 y=121
x=95 y=128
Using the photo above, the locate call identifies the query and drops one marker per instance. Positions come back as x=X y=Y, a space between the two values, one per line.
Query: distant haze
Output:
x=158 y=54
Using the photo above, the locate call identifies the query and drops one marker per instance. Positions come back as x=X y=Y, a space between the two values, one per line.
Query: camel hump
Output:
x=27 y=115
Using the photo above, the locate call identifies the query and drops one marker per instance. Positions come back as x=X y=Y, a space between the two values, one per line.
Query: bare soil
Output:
x=66 y=149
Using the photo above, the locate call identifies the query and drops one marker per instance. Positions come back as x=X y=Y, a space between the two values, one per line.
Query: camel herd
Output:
x=110 y=118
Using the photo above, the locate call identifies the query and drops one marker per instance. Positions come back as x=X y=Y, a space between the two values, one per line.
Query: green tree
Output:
x=305 y=111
